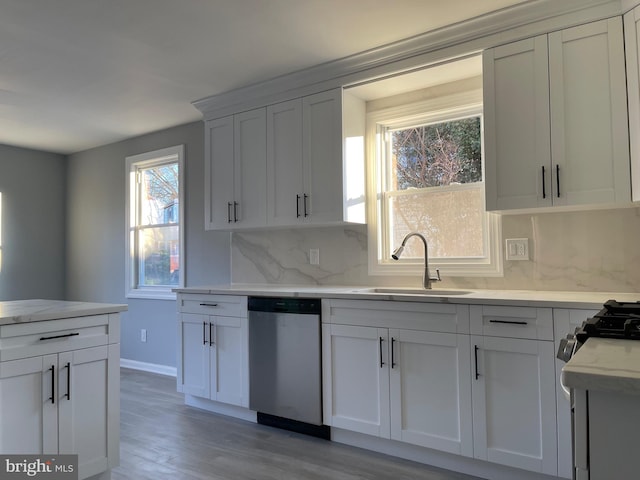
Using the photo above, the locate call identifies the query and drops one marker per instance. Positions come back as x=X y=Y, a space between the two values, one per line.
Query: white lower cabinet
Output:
x=514 y=421
x=213 y=356
x=477 y=381
x=513 y=387
x=64 y=403
x=429 y=390
x=407 y=384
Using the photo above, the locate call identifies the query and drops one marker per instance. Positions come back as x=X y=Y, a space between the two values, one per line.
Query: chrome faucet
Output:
x=427 y=279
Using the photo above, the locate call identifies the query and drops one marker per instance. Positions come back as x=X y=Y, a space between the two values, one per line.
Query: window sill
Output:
x=152 y=295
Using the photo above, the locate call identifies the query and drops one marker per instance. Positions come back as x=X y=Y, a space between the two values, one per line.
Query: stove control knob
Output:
x=567 y=347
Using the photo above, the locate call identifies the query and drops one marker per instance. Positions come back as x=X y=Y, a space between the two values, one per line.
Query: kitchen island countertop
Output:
x=605 y=364
x=25 y=311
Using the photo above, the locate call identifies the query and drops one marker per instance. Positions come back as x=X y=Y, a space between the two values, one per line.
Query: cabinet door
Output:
x=89 y=407
x=431 y=391
x=285 y=193
x=589 y=128
x=632 y=52
x=29 y=406
x=227 y=361
x=514 y=405
x=218 y=173
x=193 y=359
x=565 y=321
x=322 y=155
x=356 y=378
x=516 y=125
x=250 y=168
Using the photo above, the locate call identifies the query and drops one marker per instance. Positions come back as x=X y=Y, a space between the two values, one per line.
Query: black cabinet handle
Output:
x=558 y=180
x=59 y=336
x=229 y=204
x=297 y=206
x=544 y=190
x=68 y=394
x=393 y=363
x=208 y=304
x=475 y=353
x=204 y=333
x=235 y=211
x=509 y=322
x=53 y=384
x=381 y=362
x=210 y=334
x=305 y=196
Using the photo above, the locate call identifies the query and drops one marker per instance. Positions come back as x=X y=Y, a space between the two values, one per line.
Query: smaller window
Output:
x=155 y=223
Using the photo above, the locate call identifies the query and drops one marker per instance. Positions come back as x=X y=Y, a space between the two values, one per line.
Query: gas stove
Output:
x=616 y=320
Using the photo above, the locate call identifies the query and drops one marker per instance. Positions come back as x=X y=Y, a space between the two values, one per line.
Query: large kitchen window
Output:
x=155 y=259
x=427 y=177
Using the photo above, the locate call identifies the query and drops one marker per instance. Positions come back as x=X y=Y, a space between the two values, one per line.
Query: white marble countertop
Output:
x=24 y=311
x=527 y=298
x=605 y=364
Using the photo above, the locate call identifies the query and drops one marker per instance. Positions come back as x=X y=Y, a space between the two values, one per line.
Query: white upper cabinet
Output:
x=292 y=163
x=632 y=50
x=235 y=171
x=285 y=190
x=556 y=119
x=315 y=160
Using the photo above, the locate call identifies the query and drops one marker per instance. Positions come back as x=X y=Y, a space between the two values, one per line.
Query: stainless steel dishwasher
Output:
x=285 y=364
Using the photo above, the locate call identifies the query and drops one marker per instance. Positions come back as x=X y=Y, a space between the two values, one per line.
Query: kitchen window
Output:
x=427 y=177
x=155 y=223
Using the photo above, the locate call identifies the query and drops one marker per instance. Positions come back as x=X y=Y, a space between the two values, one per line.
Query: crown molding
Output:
x=502 y=26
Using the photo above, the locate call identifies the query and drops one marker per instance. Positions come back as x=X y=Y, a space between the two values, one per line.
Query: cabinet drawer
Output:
x=432 y=317
x=222 y=305
x=23 y=340
x=512 y=322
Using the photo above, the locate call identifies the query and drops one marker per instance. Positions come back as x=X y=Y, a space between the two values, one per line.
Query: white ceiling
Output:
x=75 y=74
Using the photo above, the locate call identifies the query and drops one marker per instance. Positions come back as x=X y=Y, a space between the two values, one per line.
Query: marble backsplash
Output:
x=597 y=250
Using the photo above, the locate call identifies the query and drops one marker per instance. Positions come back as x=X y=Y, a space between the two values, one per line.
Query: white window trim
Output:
x=441 y=108
x=170 y=154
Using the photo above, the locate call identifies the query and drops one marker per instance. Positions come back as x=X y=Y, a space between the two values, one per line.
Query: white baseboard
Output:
x=149 y=367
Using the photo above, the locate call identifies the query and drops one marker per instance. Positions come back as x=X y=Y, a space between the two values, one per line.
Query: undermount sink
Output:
x=415 y=291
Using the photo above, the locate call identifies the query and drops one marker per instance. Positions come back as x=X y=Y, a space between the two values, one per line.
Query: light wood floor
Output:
x=161 y=438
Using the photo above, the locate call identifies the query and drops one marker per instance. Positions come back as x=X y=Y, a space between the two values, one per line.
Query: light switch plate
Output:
x=517 y=249
x=314 y=256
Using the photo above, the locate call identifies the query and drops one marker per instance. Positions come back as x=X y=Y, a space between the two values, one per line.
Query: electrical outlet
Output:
x=143 y=335
x=314 y=256
x=517 y=249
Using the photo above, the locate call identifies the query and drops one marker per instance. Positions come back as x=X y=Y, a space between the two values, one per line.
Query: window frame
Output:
x=434 y=110
x=134 y=163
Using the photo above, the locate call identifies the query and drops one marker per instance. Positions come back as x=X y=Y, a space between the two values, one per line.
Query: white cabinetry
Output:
x=556 y=119
x=59 y=390
x=292 y=163
x=632 y=51
x=513 y=388
x=213 y=354
x=565 y=321
x=235 y=170
x=409 y=382
x=315 y=160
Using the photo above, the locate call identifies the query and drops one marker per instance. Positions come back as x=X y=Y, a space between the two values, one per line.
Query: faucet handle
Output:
x=437 y=277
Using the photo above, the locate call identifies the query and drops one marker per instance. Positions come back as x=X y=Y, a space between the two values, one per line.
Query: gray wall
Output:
x=96 y=238
x=33 y=224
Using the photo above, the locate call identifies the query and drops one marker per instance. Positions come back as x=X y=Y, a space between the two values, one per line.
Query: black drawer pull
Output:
x=60 y=336
x=68 y=394
x=509 y=322
x=208 y=304
x=475 y=354
x=53 y=384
